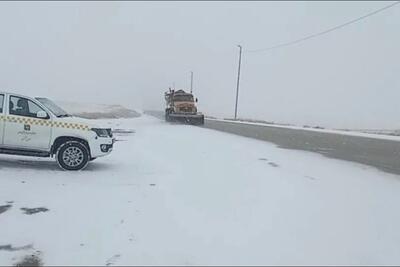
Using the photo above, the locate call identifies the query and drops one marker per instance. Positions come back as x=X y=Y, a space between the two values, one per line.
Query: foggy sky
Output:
x=131 y=52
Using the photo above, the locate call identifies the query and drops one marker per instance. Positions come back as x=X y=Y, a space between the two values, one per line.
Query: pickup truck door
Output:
x=22 y=129
x=2 y=117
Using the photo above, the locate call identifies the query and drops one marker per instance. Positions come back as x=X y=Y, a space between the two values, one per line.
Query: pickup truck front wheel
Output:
x=72 y=156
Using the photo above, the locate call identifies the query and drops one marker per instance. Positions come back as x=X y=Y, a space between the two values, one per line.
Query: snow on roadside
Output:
x=340 y=132
x=183 y=195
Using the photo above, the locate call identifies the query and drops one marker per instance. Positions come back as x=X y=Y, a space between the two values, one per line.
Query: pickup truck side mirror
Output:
x=42 y=115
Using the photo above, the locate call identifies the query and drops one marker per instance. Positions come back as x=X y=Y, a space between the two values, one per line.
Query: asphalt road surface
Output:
x=379 y=153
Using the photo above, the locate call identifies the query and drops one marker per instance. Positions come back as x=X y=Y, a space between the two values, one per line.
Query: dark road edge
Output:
x=379 y=153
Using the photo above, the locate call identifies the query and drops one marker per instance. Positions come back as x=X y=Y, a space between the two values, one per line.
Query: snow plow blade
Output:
x=186 y=119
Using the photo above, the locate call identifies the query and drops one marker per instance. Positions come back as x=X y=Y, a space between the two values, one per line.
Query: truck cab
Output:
x=181 y=106
x=38 y=127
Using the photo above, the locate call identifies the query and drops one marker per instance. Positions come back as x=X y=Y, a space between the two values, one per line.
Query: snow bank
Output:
x=384 y=135
x=98 y=111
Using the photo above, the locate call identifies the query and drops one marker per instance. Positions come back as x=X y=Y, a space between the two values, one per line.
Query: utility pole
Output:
x=238 y=80
x=191 y=82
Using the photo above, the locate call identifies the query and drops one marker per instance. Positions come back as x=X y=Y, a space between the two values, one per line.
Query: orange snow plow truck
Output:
x=181 y=107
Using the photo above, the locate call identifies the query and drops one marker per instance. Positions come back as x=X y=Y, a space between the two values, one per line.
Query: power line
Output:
x=323 y=32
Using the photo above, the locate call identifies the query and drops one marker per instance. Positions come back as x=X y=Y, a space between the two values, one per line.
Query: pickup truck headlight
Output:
x=102 y=132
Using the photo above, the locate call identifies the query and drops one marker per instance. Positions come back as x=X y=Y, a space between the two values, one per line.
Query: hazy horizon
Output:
x=129 y=53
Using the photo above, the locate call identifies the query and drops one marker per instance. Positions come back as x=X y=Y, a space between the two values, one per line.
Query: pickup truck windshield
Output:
x=56 y=110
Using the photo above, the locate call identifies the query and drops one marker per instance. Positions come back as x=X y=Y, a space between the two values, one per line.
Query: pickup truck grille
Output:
x=109 y=131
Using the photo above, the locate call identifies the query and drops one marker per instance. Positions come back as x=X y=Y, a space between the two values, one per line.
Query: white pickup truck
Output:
x=38 y=127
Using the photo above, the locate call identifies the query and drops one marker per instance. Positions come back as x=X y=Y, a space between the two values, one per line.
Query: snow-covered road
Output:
x=184 y=195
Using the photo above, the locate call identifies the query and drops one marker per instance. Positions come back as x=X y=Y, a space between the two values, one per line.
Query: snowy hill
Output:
x=97 y=111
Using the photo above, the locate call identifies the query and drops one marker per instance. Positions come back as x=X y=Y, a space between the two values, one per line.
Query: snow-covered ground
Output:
x=184 y=195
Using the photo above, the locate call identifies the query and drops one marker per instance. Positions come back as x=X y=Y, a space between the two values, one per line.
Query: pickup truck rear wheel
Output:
x=72 y=156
